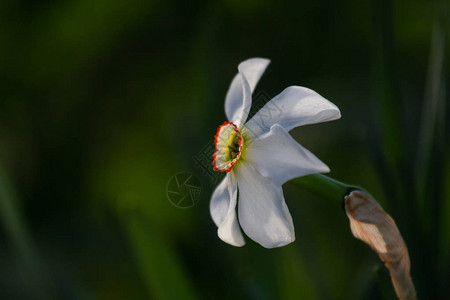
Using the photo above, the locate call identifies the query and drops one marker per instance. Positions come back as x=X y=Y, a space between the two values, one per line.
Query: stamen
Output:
x=234 y=154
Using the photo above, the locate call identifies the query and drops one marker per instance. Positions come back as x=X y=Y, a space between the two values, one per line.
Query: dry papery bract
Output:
x=371 y=224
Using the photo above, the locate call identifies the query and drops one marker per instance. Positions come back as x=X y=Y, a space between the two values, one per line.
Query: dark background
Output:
x=103 y=102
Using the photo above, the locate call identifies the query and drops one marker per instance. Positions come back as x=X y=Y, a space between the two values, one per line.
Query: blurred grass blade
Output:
x=430 y=110
x=294 y=279
x=14 y=225
x=431 y=156
x=160 y=267
x=371 y=224
x=386 y=134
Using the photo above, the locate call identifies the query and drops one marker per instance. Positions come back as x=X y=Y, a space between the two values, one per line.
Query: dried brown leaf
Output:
x=371 y=224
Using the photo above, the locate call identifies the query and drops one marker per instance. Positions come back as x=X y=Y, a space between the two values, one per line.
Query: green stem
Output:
x=325 y=187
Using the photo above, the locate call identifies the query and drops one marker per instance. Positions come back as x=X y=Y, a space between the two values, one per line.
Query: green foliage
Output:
x=102 y=102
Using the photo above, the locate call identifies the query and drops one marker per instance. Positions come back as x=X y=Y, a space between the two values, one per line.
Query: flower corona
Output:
x=228 y=147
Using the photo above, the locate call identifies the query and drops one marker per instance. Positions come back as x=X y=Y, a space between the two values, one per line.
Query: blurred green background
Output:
x=102 y=102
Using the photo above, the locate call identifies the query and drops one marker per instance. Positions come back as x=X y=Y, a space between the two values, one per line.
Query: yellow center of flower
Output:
x=233 y=146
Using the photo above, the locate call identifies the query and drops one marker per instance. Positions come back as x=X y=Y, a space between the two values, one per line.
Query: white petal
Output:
x=238 y=100
x=295 y=106
x=263 y=214
x=278 y=156
x=223 y=211
x=253 y=69
x=220 y=201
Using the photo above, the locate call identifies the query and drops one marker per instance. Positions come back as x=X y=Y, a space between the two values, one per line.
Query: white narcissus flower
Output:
x=260 y=155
